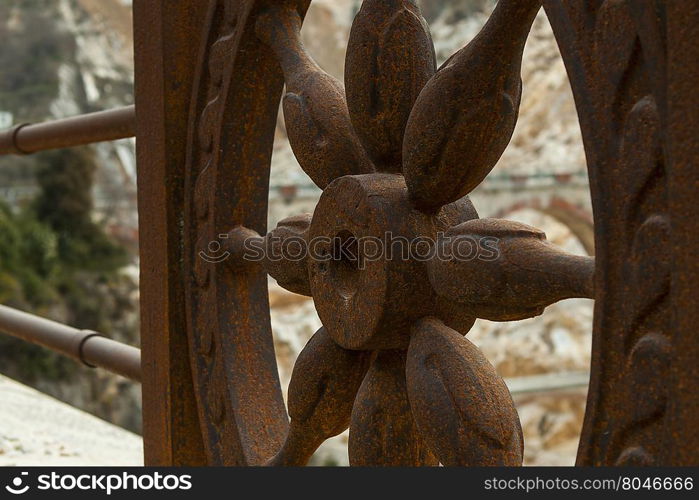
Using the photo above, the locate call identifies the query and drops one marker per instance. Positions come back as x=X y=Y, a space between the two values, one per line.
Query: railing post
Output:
x=166 y=37
x=682 y=435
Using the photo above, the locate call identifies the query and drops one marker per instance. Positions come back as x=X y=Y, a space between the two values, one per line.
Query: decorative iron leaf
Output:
x=317 y=119
x=322 y=390
x=462 y=408
x=287 y=254
x=504 y=271
x=382 y=431
x=390 y=58
x=466 y=114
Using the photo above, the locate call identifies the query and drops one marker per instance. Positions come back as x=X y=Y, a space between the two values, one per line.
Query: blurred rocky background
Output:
x=66 y=57
x=68 y=220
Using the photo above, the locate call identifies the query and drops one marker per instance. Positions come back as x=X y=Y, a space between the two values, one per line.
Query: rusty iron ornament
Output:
x=633 y=68
x=391 y=361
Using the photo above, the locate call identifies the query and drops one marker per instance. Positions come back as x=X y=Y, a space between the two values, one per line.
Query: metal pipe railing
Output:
x=547 y=382
x=69 y=132
x=87 y=347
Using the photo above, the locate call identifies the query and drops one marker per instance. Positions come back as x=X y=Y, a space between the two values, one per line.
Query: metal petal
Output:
x=287 y=254
x=315 y=110
x=462 y=408
x=466 y=114
x=383 y=432
x=390 y=58
x=282 y=253
x=322 y=390
x=504 y=271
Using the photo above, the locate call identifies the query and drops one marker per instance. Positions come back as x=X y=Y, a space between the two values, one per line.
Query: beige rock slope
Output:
x=38 y=430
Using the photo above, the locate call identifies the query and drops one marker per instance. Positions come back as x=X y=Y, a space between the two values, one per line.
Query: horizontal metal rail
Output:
x=69 y=132
x=87 y=347
x=94 y=350
x=548 y=382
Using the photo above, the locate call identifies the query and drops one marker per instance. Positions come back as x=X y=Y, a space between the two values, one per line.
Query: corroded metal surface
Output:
x=323 y=388
x=318 y=124
x=165 y=47
x=429 y=396
x=397 y=153
x=466 y=114
x=642 y=402
x=231 y=130
x=384 y=431
x=528 y=275
x=461 y=406
x=390 y=58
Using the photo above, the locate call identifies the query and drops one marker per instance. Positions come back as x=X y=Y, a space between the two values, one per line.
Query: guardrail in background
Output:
x=94 y=350
x=87 y=347
x=547 y=383
x=69 y=132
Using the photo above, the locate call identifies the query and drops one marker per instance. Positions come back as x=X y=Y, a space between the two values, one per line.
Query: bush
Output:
x=56 y=261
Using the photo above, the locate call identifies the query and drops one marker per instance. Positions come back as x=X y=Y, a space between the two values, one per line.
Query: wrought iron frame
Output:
x=208 y=80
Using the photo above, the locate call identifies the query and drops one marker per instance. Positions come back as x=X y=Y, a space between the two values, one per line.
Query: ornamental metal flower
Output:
x=397 y=153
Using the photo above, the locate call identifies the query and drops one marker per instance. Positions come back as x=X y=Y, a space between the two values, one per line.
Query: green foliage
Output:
x=65 y=205
x=27 y=260
x=28 y=266
x=55 y=261
x=54 y=257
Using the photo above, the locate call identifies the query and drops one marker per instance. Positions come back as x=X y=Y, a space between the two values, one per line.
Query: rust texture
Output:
x=69 y=132
x=461 y=406
x=384 y=431
x=391 y=40
x=450 y=148
x=165 y=46
x=232 y=119
x=397 y=152
x=321 y=395
x=391 y=362
x=631 y=67
x=528 y=275
x=315 y=109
